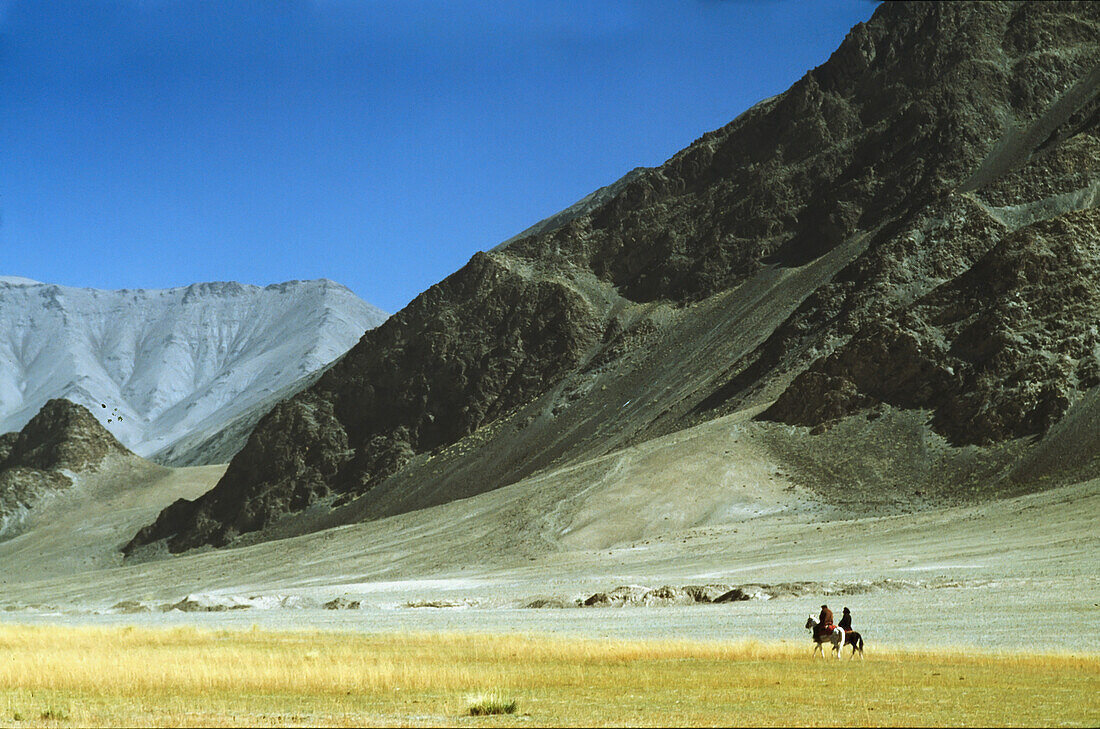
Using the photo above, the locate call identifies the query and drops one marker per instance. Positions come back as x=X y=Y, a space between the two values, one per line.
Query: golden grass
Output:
x=57 y=676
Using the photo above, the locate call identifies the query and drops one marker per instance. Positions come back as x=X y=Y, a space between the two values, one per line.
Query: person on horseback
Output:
x=846 y=620
x=824 y=622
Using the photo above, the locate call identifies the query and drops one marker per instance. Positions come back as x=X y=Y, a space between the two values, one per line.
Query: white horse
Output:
x=836 y=637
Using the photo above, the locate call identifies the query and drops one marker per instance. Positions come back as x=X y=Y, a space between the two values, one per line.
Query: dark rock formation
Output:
x=734 y=595
x=912 y=223
x=666 y=595
x=706 y=593
x=61 y=437
x=341 y=603
x=619 y=597
x=465 y=352
x=994 y=353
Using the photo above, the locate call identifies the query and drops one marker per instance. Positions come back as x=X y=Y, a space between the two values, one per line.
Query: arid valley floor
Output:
x=718 y=511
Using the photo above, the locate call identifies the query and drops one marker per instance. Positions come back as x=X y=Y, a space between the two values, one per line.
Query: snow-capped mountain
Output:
x=155 y=366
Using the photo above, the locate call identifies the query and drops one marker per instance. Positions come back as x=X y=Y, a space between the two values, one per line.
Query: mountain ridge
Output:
x=757 y=261
x=168 y=362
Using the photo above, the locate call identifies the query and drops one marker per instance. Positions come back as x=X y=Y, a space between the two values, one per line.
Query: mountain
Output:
x=58 y=443
x=220 y=443
x=156 y=366
x=585 y=205
x=894 y=265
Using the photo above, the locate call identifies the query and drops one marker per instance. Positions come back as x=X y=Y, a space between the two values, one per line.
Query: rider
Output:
x=846 y=620
x=826 y=618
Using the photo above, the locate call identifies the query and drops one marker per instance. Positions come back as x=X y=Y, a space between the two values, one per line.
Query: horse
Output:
x=835 y=636
x=854 y=639
x=849 y=637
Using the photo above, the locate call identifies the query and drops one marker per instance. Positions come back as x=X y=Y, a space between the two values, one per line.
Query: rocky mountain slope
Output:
x=585 y=205
x=44 y=458
x=173 y=363
x=901 y=247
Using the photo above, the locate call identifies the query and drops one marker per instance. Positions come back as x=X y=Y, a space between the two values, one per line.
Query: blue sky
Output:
x=157 y=143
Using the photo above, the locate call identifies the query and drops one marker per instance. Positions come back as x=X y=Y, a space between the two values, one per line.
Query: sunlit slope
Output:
x=714 y=503
x=81 y=530
x=171 y=362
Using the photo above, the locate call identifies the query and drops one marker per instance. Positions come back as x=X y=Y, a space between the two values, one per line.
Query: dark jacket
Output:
x=846 y=621
x=826 y=617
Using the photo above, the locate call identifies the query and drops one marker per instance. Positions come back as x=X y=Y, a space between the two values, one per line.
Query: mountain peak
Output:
x=63 y=435
x=175 y=362
x=19 y=281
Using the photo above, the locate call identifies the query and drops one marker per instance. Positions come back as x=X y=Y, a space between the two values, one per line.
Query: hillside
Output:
x=58 y=444
x=895 y=262
x=169 y=363
x=707 y=506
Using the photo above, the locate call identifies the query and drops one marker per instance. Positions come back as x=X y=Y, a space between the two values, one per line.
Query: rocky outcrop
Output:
x=952 y=307
x=341 y=603
x=668 y=595
x=62 y=439
x=62 y=436
x=994 y=354
x=911 y=223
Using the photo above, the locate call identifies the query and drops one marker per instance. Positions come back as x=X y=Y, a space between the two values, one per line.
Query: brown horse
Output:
x=854 y=639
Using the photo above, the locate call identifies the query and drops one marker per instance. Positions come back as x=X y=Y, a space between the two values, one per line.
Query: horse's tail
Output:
x=859 y=642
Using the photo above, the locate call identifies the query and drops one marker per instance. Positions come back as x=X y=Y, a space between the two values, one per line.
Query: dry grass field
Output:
x=56 y=676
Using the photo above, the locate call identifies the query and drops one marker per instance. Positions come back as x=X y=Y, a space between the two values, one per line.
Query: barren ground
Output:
x=713 y=504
